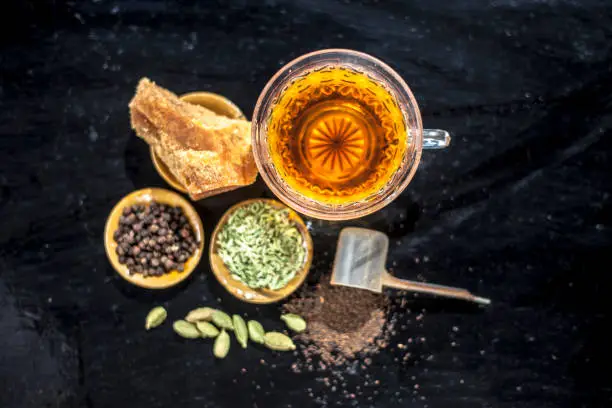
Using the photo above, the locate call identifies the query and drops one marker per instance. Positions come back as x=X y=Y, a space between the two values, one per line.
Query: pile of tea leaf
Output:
x=343 y=322
x=261 y=246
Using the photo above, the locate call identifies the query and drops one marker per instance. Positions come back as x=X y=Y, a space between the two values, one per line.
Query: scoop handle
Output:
x=433 y=289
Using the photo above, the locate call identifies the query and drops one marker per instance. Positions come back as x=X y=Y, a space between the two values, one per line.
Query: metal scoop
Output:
x=360 y=263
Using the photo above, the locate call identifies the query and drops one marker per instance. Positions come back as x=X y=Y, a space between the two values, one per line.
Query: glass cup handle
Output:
x=435 y=139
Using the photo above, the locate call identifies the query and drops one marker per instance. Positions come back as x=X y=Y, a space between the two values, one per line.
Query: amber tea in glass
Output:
x=336 y=135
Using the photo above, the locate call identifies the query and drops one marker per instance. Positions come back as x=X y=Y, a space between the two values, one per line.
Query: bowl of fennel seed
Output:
x=260 y=251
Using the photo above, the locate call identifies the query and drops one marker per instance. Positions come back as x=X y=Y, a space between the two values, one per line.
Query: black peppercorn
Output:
x=153 y=240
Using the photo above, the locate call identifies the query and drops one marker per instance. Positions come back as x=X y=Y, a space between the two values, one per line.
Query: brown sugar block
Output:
x=208 y=153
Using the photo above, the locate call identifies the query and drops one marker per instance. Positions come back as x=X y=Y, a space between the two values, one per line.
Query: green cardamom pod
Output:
x=222 y=345
x=186 y=329
x=200 y=314
x=222 y=320
x=156 y=316
x=207 y=329
x=256 y=332
x=278 y=341
x=294 y=322
x=240 y=330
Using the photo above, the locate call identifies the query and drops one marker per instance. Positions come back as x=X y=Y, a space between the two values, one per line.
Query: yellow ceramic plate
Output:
x=239 y=289
x=145 y=197
x=216 y=103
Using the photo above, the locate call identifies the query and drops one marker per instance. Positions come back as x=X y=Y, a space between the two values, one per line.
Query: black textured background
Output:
x=516 y=210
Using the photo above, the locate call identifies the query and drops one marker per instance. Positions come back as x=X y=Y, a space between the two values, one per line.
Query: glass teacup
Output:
x=337 y=134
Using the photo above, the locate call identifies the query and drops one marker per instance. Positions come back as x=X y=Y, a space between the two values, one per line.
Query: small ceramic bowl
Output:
x=239 y=289
x=145 y=197
x=216 y=103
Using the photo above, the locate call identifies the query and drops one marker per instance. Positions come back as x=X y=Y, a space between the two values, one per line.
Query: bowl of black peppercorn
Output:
x=154 y=238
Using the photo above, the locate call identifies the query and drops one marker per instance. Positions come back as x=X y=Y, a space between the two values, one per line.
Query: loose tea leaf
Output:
x=256 y=332
x=222 y=345
x=222 y=320
x=343 y=322
x=156 y=316
x=240 y=330
x=186 y=329
x=261 y=246
x=207 y=329
x=294 y=322
x=278 y=341
x=200 y=314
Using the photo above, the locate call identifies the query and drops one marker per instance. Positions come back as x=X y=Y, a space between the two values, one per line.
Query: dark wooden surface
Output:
x=514 y=210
